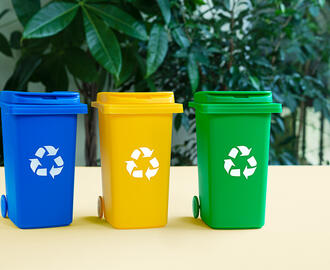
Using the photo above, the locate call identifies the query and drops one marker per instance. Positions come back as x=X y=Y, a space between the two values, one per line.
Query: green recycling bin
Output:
x=233 y=130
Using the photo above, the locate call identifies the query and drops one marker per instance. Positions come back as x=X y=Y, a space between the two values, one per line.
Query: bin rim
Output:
x=161 y=97
x=43 y=110
x=138 y=108
x=40 y=98
x=257 y=108
x=35 y=103
x=136 y=103
x=233 y=97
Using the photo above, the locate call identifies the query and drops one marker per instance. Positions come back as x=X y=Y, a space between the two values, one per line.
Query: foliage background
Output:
x=184 y=46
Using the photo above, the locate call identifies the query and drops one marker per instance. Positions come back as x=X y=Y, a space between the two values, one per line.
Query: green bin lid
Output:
x=235 y=102
x=214 y=97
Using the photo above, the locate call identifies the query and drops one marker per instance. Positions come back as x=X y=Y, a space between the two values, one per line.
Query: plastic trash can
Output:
x=39 y=144
x=232 y=129
x=135 y=141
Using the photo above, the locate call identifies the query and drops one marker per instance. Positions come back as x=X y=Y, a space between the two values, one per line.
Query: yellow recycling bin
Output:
x=135 y=140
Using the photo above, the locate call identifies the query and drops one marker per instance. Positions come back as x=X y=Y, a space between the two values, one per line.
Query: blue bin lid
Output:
x=17 y=102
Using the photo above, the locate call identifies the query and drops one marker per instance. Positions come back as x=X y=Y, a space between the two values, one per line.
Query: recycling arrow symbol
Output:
x=236 y=172
x=132 y=168
x=36 y=165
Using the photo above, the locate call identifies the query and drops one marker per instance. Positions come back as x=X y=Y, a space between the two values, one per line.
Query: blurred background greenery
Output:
x=184 y=46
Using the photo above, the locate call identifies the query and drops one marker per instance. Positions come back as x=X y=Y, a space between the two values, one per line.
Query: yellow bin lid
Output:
x=137 y=103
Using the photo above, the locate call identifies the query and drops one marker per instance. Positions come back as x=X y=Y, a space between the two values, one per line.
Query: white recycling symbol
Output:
x=245 y=151
x=133 y=169
x=36 y=165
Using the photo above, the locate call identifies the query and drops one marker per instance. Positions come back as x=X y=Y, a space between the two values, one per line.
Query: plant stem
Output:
x=321 y=138
x=300 y=129
x=294 y=124
x=303 y=146
x=286 y=23
x=231 y=49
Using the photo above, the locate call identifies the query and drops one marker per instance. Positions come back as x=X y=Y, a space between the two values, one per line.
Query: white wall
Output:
x=313 y=138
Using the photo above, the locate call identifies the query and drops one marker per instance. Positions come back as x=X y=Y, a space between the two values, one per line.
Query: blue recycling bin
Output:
x=39 y=145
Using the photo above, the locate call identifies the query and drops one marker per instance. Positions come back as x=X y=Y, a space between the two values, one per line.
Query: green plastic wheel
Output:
x=195 y=206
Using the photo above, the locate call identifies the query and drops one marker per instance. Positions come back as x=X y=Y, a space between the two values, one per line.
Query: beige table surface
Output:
x=296 y=234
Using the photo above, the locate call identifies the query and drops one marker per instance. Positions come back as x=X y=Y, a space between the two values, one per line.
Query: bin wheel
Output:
x=4 y=206
x=195 y=206
x=100 y=207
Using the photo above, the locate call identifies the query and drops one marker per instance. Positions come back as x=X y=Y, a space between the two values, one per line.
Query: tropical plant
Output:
x=280 y=46
x=185 y=46
x=102 y=44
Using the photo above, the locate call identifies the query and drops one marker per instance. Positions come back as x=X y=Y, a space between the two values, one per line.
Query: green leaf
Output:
x=72 y=36
x=255 y=82
x=25 y=9
x=157 y=48
x=35 y=46
x=185 y=122
x=227 y=5
x=52 y=73
x=102 y=43
x=50 y=20
x=15 y=40
x=193 y=5
x=141 y=67
x=180 y=37
x=193 y=73
x=129 y=64
x=177 y=121
x=201 y=55
x=102 y=77
x=243 y=4
x=282 y=6
x=151 y=84
x=81 y=65
x=280 y=123
x=4 y=46
x=321 y=3
x=24 y=69
x=120 y=20
x=314 y=10
x=146 y=6
x=286 y=158
x=165 y=8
